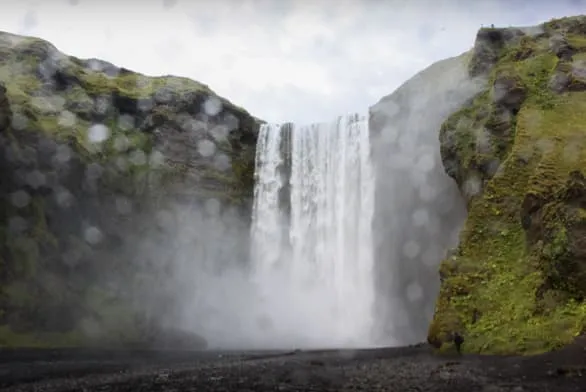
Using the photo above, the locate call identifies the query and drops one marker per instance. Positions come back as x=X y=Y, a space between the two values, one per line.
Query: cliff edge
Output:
x=93 y=159
x=517 y=281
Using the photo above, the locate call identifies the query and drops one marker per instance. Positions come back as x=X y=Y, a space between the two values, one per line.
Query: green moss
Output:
x=506 y=292
x=577 y=41
x=9 y=338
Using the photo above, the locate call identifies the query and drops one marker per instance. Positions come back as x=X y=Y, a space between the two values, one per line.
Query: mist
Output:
x=353 y=222
x=234 y=276
x=419 y=209
x=289 y=273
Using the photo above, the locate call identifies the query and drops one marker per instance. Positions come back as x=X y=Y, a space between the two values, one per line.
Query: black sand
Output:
x=393 y=369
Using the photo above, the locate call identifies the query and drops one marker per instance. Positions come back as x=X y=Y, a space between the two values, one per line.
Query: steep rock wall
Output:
x=95 y=160
x=515 y=284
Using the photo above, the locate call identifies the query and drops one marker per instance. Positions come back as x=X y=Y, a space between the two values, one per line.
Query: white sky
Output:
x=282 y=60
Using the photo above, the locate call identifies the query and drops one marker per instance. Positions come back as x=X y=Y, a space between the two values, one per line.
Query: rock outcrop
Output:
x=516 y=282
x=94 y=159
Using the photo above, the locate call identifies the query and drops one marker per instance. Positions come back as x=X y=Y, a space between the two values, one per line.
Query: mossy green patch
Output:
x=9 y=338
x=509 y=286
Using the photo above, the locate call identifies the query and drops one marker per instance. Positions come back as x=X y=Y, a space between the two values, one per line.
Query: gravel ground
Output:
x=391 y=369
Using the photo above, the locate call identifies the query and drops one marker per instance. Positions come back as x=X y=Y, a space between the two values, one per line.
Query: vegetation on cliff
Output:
x=89 y=152
x=517 y=281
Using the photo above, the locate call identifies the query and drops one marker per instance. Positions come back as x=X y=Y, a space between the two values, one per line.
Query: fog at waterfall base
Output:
x=302 y=275
x=350 y=222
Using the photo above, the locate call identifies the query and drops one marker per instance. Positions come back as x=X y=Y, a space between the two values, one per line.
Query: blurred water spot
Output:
x=572 y=152
x=121 y=143
x=98 y=133
x=414 y=292
x=427 y=193
x=72 y=257
x=212 y=106
x=472 y=186
x=30 y=21
x=411 y=249
x=137 y=158
x=35 y=179
x=63 y=197
x=426 y=163
x=219 y=133
x=431 y=257
x=213 y=207
x=92 y=235
x=63 y=153
x=545 y=145
x=168 y=4
x=126 y=122
x=145 y=104
x=231 y=122
x=222 y=162
x=102 y=105
x=48 y=105
x=19 y=121
x=67 y=119
x=17 y=224
x=206 y=148
x=123 y=205
x=420 y=217
x=156 y=159
x=121 y=164
x=93 y=171
x=20 y=199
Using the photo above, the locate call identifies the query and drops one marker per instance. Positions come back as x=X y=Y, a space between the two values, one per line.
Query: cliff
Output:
x=92 y=157
x=516 y=283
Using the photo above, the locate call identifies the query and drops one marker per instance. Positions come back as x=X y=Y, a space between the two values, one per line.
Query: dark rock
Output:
x=5 y=111
x=501 y=118
x=508 y=92
x=578 y=76
x=561 y=48
x=458 y=341
x=559 y=82
x=488 y=48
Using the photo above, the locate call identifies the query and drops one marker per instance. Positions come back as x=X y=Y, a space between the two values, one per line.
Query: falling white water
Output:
x=315 y=263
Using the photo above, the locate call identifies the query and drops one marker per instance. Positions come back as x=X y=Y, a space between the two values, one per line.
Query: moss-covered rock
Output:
x=89 y=152
x=516 y=282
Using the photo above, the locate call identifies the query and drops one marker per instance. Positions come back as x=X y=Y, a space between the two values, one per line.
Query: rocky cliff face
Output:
x=516 y=282
x=94 y=159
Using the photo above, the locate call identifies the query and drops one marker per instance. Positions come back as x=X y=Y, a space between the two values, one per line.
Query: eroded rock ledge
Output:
x=516 y=283
x=93 y=158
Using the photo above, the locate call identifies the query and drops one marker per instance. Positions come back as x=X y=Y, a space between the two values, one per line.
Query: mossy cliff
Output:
x=517 y=281
x=89 y=153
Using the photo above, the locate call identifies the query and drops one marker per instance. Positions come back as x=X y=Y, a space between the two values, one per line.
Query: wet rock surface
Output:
x=389 y=369
x=106 y=173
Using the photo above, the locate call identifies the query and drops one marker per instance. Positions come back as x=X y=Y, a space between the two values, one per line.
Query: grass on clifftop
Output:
x=506 y=289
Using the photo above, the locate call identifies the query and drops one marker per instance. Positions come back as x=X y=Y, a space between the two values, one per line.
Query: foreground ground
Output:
x=393 y=369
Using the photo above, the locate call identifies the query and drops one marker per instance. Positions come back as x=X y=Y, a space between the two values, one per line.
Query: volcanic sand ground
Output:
x=390 y=369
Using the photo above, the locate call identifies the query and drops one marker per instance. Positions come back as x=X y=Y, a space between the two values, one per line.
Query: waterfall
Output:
x=312 y=250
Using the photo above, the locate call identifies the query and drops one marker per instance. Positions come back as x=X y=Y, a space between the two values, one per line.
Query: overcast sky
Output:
x=282 y=60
